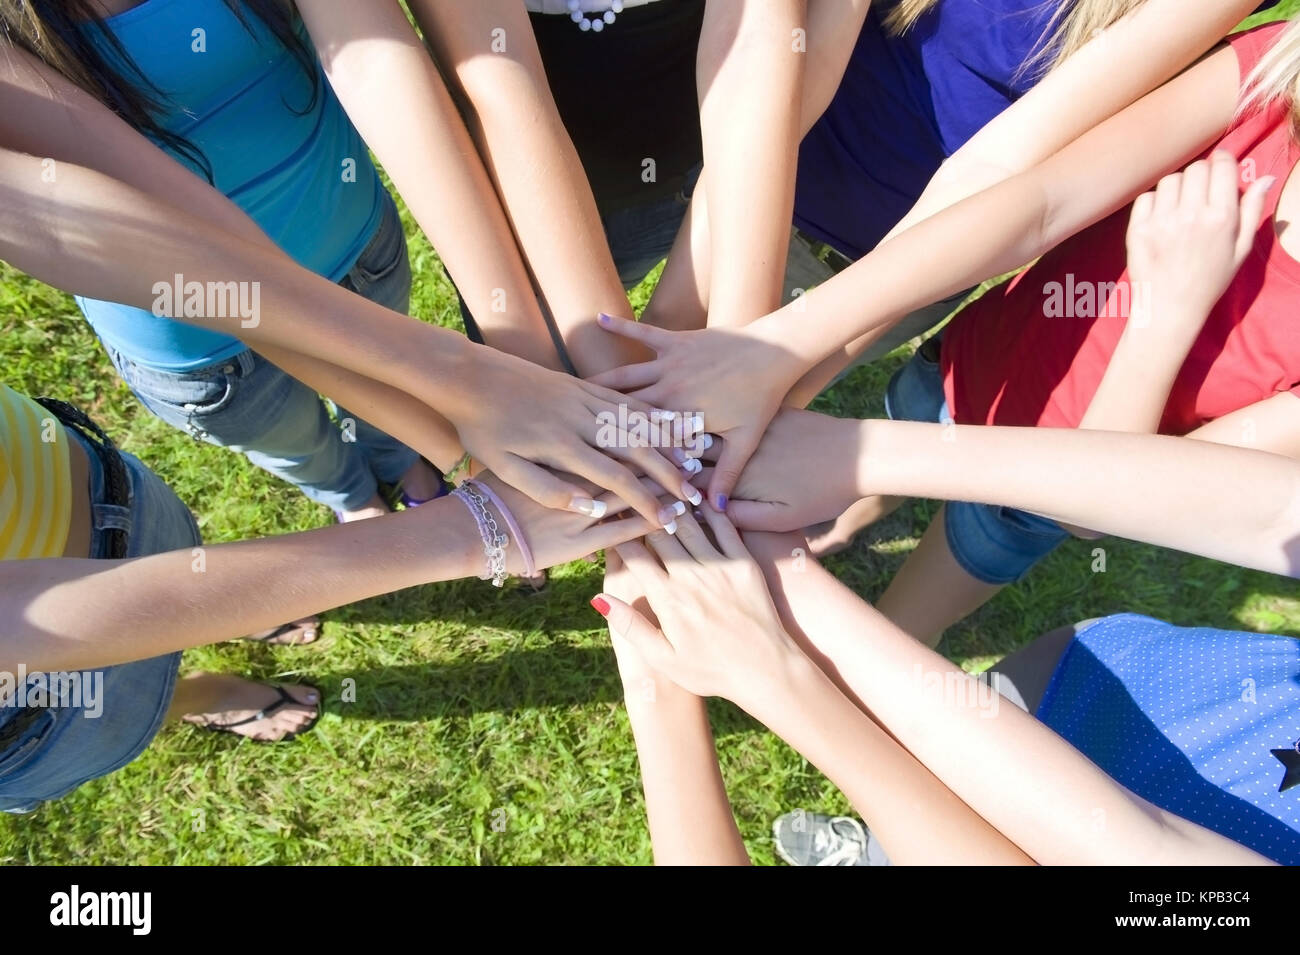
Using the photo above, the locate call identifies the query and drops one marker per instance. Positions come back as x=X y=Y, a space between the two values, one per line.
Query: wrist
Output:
x=780 y=680
x=783 y=361
x=445 y=373
x=650 y=696
x=867 y=437
x=1171 y=323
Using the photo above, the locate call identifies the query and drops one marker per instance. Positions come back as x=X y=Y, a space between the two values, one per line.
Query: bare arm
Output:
x=1034 y=788
x=1018 y=219
x=1246 y=499
x=739 y=378
x=392 y=92
x=941 y=771
x=681 y=299
x=1186 y=241
x=749 y=69
x=713 y=611
x=1154 y=42
x=87 y=233
x=686 y=799
x=537 y=171
x=148 y=606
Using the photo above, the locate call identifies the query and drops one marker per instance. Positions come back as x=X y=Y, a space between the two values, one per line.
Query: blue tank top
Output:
x=1188 y=718
x=906 y=103
x=303 y=175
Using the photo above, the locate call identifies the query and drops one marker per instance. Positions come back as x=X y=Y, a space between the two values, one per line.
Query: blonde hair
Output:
x=1276 y=77
x=1074 y=23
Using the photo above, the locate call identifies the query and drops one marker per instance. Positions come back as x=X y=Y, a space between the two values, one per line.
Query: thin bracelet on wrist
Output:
x=461 y=468
x=525 y=552
x=494 y=541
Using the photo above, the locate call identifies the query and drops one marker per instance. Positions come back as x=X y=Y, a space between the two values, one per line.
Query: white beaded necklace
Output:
x=585 y=23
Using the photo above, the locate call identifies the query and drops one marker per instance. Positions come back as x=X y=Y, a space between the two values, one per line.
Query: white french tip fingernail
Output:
x=679 y=508
x=692 y=494
x=706 y=440
x=692 y=466
x=584 y=505
x=695 y=423
x=671 y=527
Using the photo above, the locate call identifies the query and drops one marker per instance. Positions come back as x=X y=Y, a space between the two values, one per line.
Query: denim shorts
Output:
x=996 y=545
x=65 y=746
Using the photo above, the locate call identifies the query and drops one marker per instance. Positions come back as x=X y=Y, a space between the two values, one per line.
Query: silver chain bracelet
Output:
x=495 y=541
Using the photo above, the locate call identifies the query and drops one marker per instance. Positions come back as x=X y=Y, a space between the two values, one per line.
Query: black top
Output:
x=627 y=94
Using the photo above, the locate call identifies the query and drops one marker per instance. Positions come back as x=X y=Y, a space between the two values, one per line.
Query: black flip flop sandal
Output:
x=284 y=700
x=281 y=631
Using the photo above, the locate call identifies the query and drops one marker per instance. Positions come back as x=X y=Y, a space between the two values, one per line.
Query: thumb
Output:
x=627 y=623
x=737 y=448
x=763 y=516
x=1252 y=213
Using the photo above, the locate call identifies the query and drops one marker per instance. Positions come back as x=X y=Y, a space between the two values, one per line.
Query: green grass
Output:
x=470 y=700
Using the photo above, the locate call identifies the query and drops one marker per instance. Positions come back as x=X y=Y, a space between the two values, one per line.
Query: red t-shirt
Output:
x=1031 y=353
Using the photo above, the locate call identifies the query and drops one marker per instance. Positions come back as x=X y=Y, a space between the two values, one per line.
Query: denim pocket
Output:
x=384 y=254
x=27 y=746
x=201 y=391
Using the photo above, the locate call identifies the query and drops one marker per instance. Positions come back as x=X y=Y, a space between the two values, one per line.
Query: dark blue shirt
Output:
x=907 y=103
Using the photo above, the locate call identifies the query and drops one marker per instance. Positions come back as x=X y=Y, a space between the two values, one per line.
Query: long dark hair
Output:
x=57 y=32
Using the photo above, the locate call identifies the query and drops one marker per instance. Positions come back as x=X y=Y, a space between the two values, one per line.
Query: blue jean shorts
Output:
x=64 y=746
x=996 y=545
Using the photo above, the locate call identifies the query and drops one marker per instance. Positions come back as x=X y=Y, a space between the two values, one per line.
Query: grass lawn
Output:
x=476 y=706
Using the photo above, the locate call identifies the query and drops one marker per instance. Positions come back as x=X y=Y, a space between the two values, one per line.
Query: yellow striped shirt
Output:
x=35 y=480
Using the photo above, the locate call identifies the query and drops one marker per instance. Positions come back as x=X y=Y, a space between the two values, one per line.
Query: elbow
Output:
x=501 y=90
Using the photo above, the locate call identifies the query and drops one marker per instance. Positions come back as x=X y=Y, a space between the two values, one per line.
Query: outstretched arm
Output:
x=681 y=298
x=939 y=769
x=87 y=233
x=713 y=610
x=1029 y=784
x=685 y=797
x=391 y=90
x=1155 y=42
x=219 y=592
x=488 y=52
x=1246 y=501
x=739 y=378
x=749 y=73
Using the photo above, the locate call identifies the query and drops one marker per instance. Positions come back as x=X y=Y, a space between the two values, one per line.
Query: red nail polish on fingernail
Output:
x=601 y=605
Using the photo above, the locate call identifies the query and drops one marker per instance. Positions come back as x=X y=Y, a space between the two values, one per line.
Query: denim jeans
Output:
x=66 y=746
x=640 y=236
x=248 y=404
x=996 y=545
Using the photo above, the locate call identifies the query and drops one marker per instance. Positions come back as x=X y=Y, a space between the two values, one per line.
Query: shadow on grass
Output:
x=555 y=676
